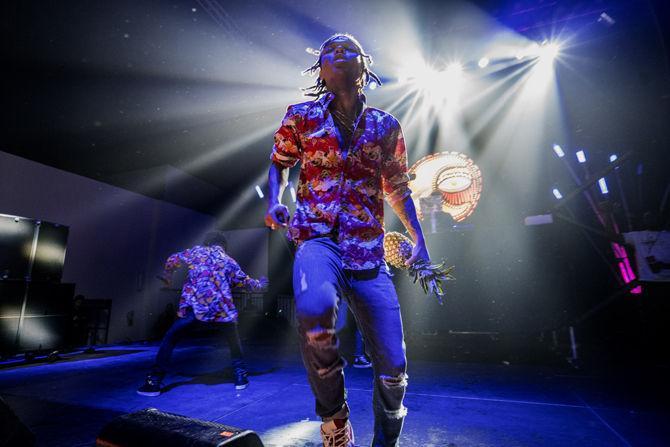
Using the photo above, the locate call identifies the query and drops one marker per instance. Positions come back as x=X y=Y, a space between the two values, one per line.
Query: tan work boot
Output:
x=333 y=436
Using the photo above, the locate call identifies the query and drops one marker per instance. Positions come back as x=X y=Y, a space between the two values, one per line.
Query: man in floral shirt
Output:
x=352 y=158
x=207 y=298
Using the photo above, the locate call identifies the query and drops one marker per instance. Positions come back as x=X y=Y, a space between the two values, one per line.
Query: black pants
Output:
x=181 y=326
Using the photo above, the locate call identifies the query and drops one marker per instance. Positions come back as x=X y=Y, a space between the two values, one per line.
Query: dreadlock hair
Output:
x=319 y=87
x=215 y=238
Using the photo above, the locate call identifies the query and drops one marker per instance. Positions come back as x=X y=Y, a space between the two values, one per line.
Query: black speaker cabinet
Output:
x=34 y=316
x=151 y=427
x=31 y=249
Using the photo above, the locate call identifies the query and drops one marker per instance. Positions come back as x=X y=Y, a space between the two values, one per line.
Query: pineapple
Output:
x=398 y=249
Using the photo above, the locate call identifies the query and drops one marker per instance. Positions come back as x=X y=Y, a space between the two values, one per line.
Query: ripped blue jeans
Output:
x=319 y=283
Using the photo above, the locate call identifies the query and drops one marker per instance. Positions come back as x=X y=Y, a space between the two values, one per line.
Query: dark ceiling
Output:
x=111 y=90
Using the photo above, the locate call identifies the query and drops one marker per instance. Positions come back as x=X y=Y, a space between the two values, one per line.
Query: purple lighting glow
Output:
x=625 y=268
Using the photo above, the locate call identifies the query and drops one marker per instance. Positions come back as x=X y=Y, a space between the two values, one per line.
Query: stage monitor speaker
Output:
x=151 y=427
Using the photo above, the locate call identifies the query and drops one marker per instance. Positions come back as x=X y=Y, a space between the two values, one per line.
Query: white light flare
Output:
x=549 y=51
x=439 y=87
x=602 y=184
x=454 y=70
x=558 y=150
x=259 y=191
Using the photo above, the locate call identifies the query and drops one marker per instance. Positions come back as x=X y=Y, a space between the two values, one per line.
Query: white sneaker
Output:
x=337 y=437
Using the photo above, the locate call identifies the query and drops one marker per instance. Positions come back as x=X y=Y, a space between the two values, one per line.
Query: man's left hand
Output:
x=419 y=252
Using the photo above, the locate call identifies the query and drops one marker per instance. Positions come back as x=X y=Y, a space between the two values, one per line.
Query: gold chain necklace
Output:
x=343 y=121
x=345 y=126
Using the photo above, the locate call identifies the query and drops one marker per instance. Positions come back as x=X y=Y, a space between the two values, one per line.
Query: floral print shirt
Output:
x=340 y=192
x=212 y=273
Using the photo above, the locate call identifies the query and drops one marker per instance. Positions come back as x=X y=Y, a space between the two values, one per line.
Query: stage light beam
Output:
x=294 y=196
x=549 y=51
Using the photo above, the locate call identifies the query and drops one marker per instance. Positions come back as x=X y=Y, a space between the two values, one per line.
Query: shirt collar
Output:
x=328 y=97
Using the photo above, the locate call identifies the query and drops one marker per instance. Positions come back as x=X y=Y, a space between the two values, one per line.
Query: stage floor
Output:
x=450 y=404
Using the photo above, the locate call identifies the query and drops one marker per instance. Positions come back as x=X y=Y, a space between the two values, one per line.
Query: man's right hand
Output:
x=263 y=284
x=277 y=216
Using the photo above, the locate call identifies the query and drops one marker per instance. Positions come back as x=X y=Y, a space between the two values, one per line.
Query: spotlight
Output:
x=603 y=186
x=581 y=156
x=559 y=151
x=531 y=50
x=437 y=87
x=372 y=85
x=454 y=69
x=557 y=193
x=259 y=191
x=549 y=51
x=613 y=158
x=483 y=62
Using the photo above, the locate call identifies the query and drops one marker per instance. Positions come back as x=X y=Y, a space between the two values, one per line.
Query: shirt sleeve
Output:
x=395 y=178
x=286 y=151
x=239 y=279
x=175 y=261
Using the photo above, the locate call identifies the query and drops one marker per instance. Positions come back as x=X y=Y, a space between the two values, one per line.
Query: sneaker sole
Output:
x=241 y=387
x=149 y=393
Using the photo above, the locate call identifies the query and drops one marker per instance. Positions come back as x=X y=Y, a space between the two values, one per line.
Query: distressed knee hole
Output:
x=321 y=338
x=398 y=381
x=397 y=414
